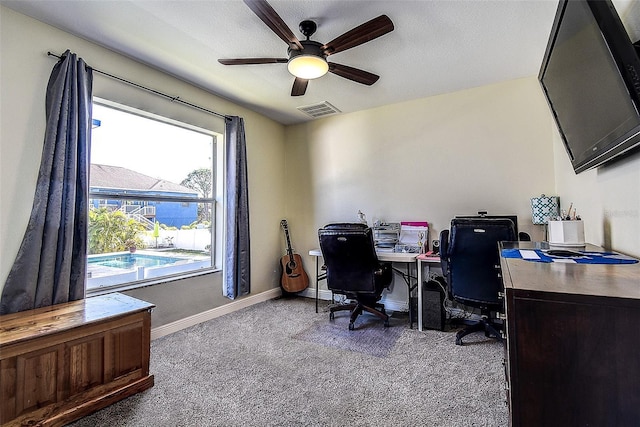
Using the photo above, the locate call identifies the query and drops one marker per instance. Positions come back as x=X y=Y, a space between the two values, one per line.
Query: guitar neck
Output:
x=286 y=235
x=289 y=249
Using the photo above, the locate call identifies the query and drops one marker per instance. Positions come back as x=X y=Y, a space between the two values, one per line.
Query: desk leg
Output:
x=412 y=316
x=317 y=291
x=419 y=295
x=408 y=278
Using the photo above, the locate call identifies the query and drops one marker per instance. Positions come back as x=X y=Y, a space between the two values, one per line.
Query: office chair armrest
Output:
x=524 y=237
x=444 y=252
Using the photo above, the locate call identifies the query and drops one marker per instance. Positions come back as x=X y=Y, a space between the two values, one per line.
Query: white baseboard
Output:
x=241 y=303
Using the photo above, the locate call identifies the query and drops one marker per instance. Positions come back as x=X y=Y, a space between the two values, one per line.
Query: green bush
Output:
x=112 y=231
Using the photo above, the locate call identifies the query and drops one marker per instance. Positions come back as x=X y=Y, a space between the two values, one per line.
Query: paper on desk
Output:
x=532 y=255
x=529 y=254
x=411 y=234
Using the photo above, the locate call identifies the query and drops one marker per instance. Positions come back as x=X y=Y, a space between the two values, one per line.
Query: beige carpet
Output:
x=256 y=367
x=369 y=336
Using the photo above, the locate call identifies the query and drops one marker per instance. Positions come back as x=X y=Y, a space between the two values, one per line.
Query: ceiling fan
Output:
x=307 y=59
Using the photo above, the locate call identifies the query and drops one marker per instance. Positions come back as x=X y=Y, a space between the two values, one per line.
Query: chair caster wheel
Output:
x=332 y=316
x=351 y=326
x=386 y=323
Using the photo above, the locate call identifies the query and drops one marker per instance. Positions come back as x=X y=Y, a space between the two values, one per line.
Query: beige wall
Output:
x=24 y=71
x=486 y=148
x=489 y=148
x=607 y=198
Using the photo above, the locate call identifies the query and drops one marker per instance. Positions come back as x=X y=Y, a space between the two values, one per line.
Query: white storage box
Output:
x=566 y=233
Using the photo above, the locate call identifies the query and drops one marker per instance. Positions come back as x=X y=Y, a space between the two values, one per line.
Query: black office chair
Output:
x=353 y=269
x=524 y=237
x=471 y=264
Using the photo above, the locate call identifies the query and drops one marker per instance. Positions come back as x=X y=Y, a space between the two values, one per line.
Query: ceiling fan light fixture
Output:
x=308 y=67
x=308 y=58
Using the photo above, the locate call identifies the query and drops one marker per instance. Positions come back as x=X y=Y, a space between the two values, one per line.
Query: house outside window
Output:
x=153 y=201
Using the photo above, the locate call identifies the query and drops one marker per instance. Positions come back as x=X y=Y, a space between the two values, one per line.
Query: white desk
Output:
x=405 y=258
x=382 y=256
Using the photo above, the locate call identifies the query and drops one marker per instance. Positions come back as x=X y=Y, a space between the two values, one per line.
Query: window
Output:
x=153 y=185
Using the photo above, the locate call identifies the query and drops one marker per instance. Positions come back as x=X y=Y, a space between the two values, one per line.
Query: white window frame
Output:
x=217 y=221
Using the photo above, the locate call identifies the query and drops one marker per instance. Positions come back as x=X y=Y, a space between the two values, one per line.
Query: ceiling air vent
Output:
x=319 y=110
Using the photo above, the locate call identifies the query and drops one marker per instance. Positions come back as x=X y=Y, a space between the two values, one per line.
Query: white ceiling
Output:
x=437 y=46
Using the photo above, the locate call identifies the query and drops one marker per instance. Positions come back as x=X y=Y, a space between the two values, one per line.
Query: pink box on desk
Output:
x=415 y=223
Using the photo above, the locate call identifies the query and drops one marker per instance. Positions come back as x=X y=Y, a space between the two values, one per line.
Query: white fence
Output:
x=197 y=239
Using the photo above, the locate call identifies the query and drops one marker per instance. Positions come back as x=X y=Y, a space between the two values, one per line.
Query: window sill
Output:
x=146 y=283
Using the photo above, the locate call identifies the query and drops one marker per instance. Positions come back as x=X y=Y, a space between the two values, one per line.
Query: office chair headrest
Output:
x=345 y=226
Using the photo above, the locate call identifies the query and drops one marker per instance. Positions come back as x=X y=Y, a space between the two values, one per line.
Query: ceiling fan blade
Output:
x=270 y=17
x=299 y=87
x=355 y=74
x=361 y=34
x=249 y=61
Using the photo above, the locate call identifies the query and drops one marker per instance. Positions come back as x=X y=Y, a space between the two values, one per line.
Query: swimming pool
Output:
x=129 y=261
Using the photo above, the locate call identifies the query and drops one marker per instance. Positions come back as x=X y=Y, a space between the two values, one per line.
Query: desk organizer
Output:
x=386 y=235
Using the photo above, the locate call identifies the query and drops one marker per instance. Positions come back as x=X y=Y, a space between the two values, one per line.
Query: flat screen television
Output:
x=590 y=75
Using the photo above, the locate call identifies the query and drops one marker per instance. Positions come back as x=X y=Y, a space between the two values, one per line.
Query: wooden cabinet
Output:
x=63 y=362
x=572 y=354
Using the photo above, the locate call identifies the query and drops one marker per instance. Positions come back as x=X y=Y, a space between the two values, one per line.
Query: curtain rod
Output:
x=164 y=95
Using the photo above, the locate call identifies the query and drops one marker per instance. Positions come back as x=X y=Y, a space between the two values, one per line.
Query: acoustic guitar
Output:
x=294 y=278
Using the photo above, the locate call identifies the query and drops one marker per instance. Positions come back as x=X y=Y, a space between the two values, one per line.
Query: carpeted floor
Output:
x=278 y=363
x=369 y=336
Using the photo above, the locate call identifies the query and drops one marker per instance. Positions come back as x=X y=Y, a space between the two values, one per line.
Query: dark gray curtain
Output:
x=51 y=262
x=237 y=269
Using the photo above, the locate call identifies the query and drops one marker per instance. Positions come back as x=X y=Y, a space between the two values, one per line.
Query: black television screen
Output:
x=590 y=78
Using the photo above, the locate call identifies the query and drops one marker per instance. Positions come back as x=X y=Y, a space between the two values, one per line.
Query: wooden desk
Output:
x=63 y=362
x=406 y=258
x=572 y=353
